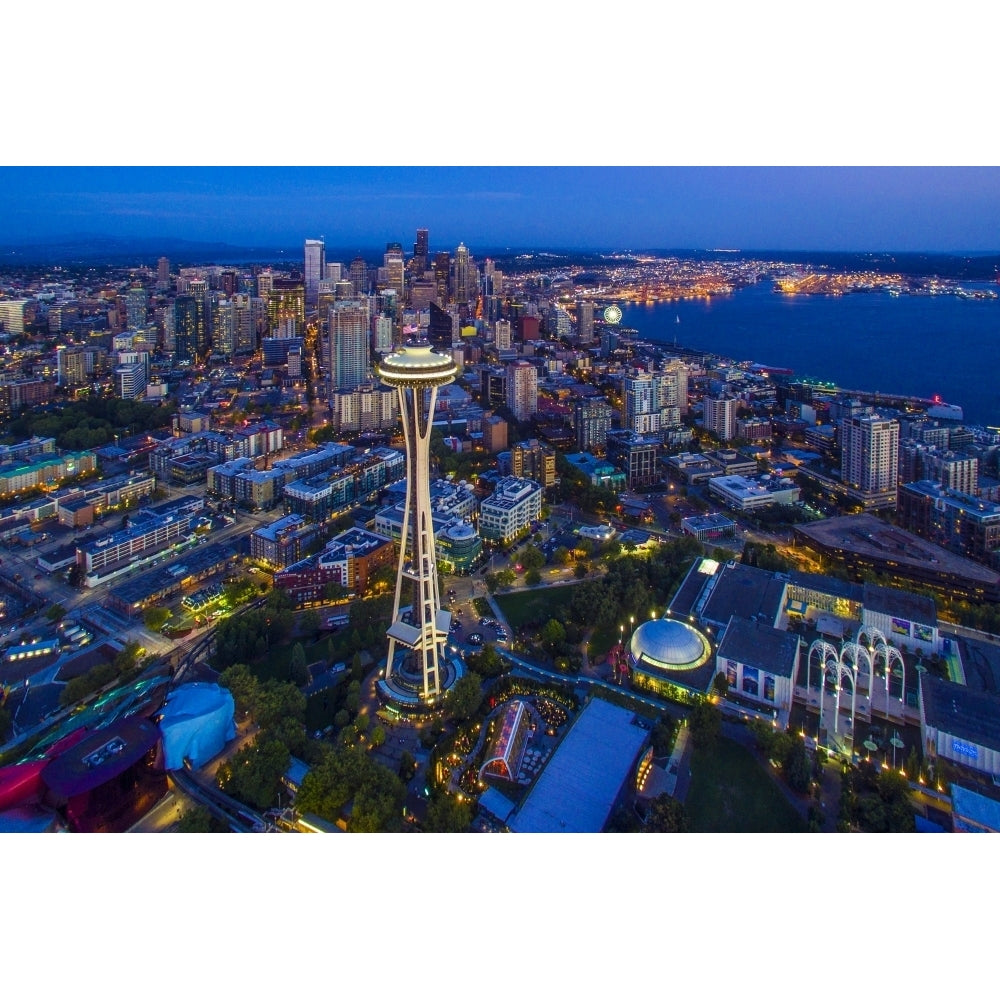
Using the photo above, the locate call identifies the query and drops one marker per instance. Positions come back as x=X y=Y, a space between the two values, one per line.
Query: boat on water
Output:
x=945 y=411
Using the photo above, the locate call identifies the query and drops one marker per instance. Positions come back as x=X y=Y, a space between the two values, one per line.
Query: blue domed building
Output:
x=670 y=658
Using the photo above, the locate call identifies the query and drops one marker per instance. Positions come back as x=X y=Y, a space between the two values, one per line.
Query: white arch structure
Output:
x=879 y=648
x=844 y=664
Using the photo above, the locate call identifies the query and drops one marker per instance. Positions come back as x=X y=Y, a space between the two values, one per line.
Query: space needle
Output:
x=415 y=673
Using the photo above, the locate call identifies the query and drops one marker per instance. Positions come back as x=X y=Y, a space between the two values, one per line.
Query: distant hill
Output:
x=98 y=249
x=88 y=248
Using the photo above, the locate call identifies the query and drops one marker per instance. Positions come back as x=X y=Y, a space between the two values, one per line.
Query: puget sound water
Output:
x=915 y=345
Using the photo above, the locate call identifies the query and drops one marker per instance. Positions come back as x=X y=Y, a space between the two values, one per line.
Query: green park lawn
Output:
x=731 y=793
x=538 y=606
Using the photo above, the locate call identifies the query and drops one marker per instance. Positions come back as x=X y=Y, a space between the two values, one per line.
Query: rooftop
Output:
x=865 y=535
x=580 y=784
x=955 y=709
x=759 y=645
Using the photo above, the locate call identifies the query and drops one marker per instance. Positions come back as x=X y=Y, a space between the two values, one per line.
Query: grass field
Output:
x=536 y=606
x=731 y=793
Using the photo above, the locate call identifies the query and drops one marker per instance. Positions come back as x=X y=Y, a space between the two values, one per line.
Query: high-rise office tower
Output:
x=585 y=320
x=420 y=627
x=136 y=305
x=163 y=273
x=348 y=344
x=185 y=328
x=421 y=247
x=492 y=279
x=315 y=263
x=286 y=308
x=442 y=274
x=333 y=271
x=224 y=327
x=384 y=334
x=461 y=290
x=869 y=454
x=198 y=290
x=358 y=273
x=394 y=272
x=522 y=390
x=265 y=283
x=244 y=324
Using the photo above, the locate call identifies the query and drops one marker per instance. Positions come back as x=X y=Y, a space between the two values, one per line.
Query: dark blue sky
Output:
x=821 y=208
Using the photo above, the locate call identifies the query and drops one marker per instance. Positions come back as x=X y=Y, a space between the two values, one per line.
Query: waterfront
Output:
x=920 y=345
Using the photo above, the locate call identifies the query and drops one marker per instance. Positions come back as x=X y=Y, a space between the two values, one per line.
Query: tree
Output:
x=155 y=618
x=407 y=766
x=242 y=684
x=128 y=659
x=253 y=774
x=795 y=764
x=309 y=622
x=445 y=814
x=562 y=556
x=532 y=577
x=580 y=570
x=487 y=662
x=706 y=723
x=532 y=557
x=378 y=736
x=357 y=667
x=720 y=682
x=666 y=815
x=553 y=634
x=278 y=700
x=662 y=735
x=297 y=669
x=352 y=701
x=465 y=697
x=55 y=612
x=198 y=819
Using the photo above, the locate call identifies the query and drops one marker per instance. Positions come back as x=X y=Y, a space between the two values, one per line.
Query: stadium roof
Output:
x=580 y=784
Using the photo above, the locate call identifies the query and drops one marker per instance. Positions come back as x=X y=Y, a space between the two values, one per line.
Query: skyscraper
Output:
x=522 y=390
x=461 y=289
x=348 y=344
x=592 y=419
x=163 y=274
x=286 y=308
x=358 y=273
x=422 y=626
x=136 y=304
x=393 y=271
x=420 y=248
x=585 y=321
x=315 y=266
x=720 y=417
x=869 y=456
